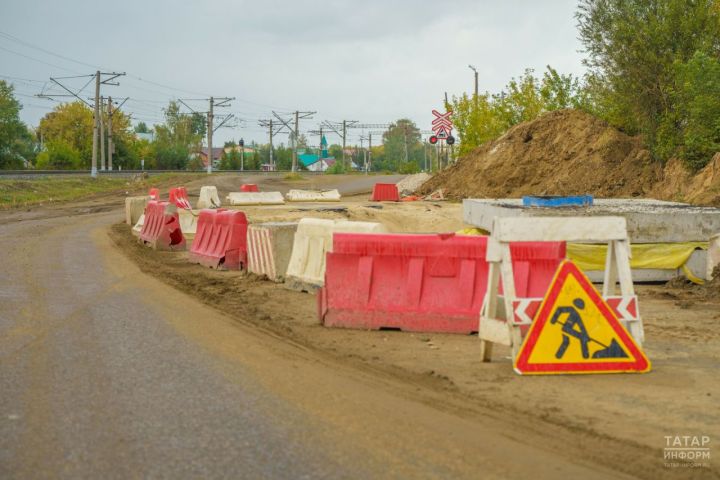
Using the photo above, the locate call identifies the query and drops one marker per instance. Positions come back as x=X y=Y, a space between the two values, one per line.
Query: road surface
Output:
x=109 y=373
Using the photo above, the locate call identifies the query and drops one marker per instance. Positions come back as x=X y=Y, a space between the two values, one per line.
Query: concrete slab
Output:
x=648 y=220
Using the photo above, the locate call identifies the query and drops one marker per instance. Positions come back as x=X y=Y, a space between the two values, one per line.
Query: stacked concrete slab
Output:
x=648 y=221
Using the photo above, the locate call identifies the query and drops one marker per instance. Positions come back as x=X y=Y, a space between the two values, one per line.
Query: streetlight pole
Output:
x=476 y=81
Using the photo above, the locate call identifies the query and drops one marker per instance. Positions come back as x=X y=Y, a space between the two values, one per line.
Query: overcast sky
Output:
x=371 y=61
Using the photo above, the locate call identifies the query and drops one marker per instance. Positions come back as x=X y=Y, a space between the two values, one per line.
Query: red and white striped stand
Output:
x=505 y=318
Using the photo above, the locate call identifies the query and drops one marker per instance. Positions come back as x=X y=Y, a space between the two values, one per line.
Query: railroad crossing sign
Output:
x=576 y=331
x=442 y=127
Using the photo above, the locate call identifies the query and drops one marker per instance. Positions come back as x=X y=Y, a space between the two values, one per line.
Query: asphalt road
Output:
x=108 y=373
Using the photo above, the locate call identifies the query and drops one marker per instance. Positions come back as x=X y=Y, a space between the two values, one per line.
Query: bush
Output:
x=59 y=155
x=336 y=169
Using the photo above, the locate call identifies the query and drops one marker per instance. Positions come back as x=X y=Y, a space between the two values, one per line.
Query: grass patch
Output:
x=293 y=177
x=35 y=191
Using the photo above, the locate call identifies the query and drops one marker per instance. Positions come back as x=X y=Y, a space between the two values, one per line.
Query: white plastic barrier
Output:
x=134 y=208
x=313 y=196
x=255 y=198
x=208 y=198
x=313 y=239
x=269 y=246
x=188 y=222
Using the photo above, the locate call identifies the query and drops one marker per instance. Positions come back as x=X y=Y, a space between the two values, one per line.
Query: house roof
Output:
x=217 y=152
x=308 y=159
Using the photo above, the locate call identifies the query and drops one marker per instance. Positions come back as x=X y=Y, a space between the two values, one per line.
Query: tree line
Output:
x=653 y=70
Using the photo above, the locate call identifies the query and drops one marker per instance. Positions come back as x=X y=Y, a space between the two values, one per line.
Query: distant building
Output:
x=315 y=162
x=216 y=156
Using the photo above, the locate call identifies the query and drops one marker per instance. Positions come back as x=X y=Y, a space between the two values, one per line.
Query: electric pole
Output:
x=96 y=115
x=297 y=137
x=476 y=82
x=210 y=134
x=110 y=140
x=294 y=131
x=97 y=121
x=213 y=102
x=102 y=134
x=273 y=130
x=341 y=130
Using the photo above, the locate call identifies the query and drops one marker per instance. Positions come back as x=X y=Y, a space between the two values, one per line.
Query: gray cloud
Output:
x=372 y=61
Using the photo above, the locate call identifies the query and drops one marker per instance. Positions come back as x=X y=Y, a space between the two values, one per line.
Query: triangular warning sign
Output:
x=575 y=331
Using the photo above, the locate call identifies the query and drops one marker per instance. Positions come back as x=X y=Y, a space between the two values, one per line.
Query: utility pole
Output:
x=210 y=135
x=367 y=170
x=405 y=138
x=294 y=131
x=273 y=129
x=297 y=137
x=213 y=102
x=242 y=155
x=110 y=140
x=341 y=130
x=102 y=134
x=344 y=134
x=272 y=156
x=97 y=121
x=93 y=168
x=476 y=83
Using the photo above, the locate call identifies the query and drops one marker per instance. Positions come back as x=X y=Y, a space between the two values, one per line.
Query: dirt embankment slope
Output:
x=569 y=152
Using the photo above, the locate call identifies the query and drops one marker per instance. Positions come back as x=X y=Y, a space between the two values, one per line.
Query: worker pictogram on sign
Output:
x=576 y=331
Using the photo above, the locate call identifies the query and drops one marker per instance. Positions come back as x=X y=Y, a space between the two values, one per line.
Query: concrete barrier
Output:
x=188 y=222
x=134 y=208
x=137 y=228
x=313 y=239
x=269 y=247
x=208 y=198
x=313 y=196
x=255 y=198
x=713 y=255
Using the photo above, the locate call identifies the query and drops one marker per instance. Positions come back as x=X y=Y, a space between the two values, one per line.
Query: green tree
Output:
x=640 y=54
x=70 y=124
x=401 y=141
x=16 y=142
x=142 y=128
x=177 y=137
x=59 y=154
x=694 y=129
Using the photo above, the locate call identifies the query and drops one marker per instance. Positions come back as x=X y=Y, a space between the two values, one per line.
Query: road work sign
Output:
x=576 y=331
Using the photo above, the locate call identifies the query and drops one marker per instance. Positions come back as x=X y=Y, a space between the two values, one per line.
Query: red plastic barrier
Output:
x=422 y=283
x=161 y=228
x=179 y=197
x=154 y=194
x=385 y=192
x=249 y=187
x=220 y=240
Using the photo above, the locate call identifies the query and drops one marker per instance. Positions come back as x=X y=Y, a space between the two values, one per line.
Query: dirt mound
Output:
x=679 y=184
x=561 y=152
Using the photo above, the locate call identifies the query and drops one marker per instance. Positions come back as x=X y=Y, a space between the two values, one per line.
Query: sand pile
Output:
x=409 y=184
x=561 y=152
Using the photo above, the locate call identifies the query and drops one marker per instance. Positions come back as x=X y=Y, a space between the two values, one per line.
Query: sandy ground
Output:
x=617 y=421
